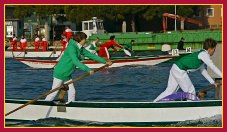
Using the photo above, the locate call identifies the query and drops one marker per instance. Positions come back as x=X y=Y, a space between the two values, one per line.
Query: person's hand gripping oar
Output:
x=202 y=93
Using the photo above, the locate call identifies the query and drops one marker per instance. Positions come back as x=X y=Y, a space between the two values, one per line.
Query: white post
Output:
x=124 y=27
x=46 y=31
x=182 y=25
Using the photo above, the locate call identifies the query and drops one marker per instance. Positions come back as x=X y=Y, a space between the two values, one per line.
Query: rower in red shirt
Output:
x=44 y=43
x=68 y=33
x=23 y=43
x=37 y=42
x=63 y=42
x=14 y=42
x=109 y=44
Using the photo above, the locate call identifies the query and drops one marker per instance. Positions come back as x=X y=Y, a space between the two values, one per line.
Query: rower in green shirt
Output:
x=128 y=46
x=92 y=46
x=68 y=63
x=179 y=78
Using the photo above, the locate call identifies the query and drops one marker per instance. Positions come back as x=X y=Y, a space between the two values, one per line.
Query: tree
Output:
x=132 y=12
x=23 y=11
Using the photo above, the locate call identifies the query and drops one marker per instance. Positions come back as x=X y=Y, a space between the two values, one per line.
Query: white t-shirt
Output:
x=205 y=57
x=15 y=38
x=36 y=39
x=23 y=40
x=68 y=30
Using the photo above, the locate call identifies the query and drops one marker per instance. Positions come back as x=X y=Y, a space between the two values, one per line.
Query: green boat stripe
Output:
x=127 y=104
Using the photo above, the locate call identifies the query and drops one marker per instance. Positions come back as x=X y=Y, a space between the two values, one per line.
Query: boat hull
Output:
x=34 y=54
x=48 y=64
x=117 y=112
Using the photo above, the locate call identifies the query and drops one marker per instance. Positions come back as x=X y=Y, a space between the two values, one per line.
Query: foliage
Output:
x=23 y=11
x=114 y=13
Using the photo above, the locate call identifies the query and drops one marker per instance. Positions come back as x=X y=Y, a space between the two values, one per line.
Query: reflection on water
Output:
x=129 y=83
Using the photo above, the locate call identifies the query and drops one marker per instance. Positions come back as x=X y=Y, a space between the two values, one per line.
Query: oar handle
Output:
x=34 y=100
x=54 y=50
x=209 y=88
x=12 y=50
x=53 y=90
x=87 y=74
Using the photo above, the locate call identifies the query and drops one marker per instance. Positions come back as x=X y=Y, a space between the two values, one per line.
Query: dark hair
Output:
x=209 y=43
x=132 y=40
x=112 y=37
x=79 y=36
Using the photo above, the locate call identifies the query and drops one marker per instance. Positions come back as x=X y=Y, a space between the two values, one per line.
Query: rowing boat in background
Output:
x=28 y=54
x=117 y=61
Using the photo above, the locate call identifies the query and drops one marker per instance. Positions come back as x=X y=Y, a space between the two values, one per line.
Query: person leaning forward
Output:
x=178 y=76
x=68 y=63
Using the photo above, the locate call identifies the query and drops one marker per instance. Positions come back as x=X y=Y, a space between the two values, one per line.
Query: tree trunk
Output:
x=133 y=25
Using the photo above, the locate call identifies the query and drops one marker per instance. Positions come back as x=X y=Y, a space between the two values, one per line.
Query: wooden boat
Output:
x=129 y=113
x=11 y=54
x=117 y=61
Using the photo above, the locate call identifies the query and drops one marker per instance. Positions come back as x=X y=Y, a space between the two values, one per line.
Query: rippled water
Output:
x=129 y=83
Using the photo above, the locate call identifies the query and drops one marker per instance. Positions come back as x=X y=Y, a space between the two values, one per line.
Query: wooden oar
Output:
x=203 y=92
x=56 y=89
x=54 y=50
x=25 y=50
x=12 y=50
x=13 y=54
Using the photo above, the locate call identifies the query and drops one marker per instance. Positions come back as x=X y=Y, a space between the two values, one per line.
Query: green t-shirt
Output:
x=71 y=59
x=128 y=46
x=190 y=61
x=92 y=47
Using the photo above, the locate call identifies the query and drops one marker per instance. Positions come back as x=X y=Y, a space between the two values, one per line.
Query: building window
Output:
x=210 y=12
x=85 y=26
x=90 y=25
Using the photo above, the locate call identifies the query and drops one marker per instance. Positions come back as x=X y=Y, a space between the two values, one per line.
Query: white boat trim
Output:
x=34 y=54
x=143 y=60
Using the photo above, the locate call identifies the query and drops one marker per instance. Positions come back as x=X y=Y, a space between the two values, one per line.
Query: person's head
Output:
x=80 y=37
x=36 y=35
x=14 y=35
x=67 y=27
x=182 y=39
x=22 y=37
x=112 y=37
x=210 y=45
x=132 y=41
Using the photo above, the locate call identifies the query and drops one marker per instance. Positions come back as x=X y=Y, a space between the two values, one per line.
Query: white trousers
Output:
x=177 y=78
x=58 y=83
x=107 y=53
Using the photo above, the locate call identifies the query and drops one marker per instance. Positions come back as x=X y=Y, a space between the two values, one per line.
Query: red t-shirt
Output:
x=111 y=43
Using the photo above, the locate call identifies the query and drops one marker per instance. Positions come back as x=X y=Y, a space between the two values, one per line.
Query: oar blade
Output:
x=127 y=52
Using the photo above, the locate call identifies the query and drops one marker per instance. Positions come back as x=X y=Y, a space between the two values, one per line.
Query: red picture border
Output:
x=109 y=129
